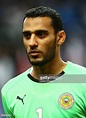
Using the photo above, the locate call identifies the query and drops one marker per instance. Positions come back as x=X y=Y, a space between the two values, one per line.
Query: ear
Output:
x=61 y=36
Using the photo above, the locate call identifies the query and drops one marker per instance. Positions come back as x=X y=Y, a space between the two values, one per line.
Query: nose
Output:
x=33 y=41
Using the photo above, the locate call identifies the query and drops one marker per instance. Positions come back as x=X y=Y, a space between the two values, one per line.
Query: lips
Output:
x=34 y=53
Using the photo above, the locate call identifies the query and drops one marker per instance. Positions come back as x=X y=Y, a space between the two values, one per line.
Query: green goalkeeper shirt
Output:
x=62 y=97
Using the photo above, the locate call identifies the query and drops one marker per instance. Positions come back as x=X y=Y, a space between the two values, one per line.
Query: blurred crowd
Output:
x=13 y=59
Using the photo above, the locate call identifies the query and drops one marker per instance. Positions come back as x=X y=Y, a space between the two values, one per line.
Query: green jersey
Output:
x=23 y=97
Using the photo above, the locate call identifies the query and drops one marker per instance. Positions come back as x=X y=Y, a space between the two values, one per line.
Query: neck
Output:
x=54 y=67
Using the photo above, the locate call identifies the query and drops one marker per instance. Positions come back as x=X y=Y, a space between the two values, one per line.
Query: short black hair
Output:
x=42 y=11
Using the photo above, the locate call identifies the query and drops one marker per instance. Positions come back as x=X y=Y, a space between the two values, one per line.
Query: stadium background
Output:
x=13 y=59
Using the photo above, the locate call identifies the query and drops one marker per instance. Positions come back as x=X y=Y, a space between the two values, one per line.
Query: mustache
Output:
x=34 y=50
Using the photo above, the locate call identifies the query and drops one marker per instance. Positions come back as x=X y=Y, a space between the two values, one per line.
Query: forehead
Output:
x=37 y=23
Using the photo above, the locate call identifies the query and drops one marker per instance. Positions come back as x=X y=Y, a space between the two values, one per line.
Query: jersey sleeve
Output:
x=7 y=111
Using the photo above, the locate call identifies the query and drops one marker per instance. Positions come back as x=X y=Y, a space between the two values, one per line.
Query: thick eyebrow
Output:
x=37 y=31
x=42 y=31
x=25 y=32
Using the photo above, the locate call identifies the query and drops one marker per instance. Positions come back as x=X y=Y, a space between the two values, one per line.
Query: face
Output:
x=39 y=40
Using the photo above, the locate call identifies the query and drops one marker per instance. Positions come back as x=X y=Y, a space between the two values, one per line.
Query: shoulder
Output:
x=75 y=68
x=16 y=81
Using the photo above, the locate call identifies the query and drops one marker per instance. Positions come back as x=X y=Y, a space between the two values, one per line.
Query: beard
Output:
x=47 y=57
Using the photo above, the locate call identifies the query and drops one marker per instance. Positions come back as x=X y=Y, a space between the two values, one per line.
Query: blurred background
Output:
x=13 y=59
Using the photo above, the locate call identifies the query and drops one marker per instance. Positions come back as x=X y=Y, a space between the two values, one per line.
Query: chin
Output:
x=36 y=63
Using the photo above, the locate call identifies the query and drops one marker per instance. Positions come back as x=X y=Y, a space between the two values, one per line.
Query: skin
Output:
x=42 y=45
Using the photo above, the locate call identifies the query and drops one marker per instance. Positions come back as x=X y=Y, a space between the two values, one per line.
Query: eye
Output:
x=27 y=35
x=41 y=34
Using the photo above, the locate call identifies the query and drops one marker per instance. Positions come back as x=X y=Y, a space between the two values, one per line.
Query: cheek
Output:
x=47 y=47
x=25 y=44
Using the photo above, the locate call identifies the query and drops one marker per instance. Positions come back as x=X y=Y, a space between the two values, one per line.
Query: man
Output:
x=49 y=89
